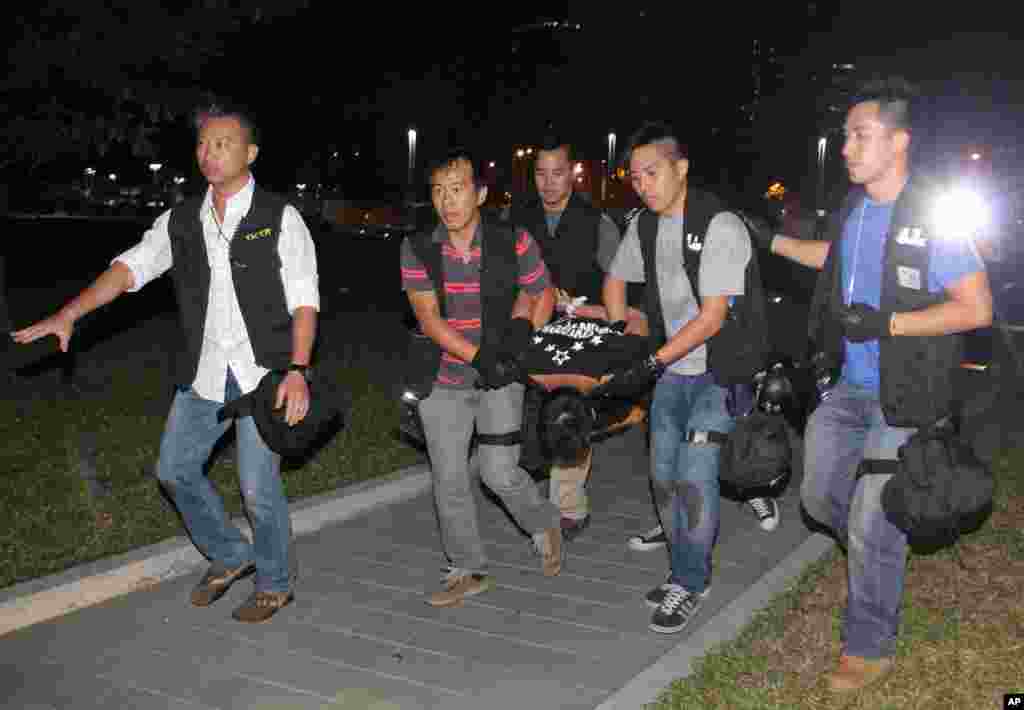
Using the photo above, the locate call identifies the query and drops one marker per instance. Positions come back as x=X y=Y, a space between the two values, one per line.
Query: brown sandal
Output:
x=214 y=584
x=260 y=606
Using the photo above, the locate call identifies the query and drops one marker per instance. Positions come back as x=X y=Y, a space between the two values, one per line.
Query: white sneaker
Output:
x=650 y=540
x=767 y=511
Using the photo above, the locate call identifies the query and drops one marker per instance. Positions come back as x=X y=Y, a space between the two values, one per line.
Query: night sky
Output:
x=330 y=78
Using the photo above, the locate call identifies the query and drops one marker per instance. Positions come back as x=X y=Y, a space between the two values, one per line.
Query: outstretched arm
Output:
x=809 y=252
x=109 y=285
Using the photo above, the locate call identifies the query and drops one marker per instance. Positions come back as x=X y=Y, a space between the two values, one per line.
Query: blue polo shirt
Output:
x=863 y=254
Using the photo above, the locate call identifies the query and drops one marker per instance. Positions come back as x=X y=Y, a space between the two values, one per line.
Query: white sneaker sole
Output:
x=652 y=605
x=638 y=545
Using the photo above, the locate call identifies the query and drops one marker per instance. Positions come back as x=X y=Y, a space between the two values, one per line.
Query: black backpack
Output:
x=759 y=453
x=939 y=489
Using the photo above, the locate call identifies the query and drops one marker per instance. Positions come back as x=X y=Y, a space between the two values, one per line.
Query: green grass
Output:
x=960 y=640
x=49 y=522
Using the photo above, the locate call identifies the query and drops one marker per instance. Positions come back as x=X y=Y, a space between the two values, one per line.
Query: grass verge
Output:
x=48 y=519
x=961 y=642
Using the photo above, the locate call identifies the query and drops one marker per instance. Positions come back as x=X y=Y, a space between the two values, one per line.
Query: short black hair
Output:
x=455 y=155
x=554 y=141
x=565 y=425
x=655 y=133
x=897 y=101
x=227 y=109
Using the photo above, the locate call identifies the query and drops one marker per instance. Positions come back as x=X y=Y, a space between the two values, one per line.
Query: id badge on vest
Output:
x=908 y=277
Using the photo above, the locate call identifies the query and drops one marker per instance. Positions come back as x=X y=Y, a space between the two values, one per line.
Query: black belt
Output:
x=706 y=437
x=871 y=467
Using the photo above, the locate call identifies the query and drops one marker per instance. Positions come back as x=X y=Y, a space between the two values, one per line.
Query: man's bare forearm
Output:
x=808 y=252
x=304 y=322
x=614 y=296
x=695 y=333
x=536 y=309
x=109 y=285
x=970 y=307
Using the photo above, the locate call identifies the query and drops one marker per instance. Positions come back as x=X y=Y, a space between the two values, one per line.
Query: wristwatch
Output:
x=305 y=370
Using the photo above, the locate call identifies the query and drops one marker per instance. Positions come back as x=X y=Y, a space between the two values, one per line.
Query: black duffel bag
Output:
x=939 y=489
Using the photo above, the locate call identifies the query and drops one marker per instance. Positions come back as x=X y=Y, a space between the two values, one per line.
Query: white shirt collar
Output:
x=238 y=204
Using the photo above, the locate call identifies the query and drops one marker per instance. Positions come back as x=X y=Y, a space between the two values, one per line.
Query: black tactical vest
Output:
x=916 y=372
x=740 y=348
x=571 y=254
x=499 y=287
x=255 y=269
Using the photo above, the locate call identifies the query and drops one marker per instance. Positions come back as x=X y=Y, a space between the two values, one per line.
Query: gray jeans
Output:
x=449 y=416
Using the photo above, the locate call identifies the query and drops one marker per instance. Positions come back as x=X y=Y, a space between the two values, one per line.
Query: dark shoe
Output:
x=260 y=606
x=458 y=585
x=677 y=610
x=656 y=596
x=572 y=528
x=854 y=673
x=216 y=581
x=650 y=540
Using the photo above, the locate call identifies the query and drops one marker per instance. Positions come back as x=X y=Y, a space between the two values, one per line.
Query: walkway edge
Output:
x=723 y=627
x=84 y=585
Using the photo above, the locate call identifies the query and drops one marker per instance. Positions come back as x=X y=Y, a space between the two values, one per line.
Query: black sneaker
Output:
x=767 y=512
x=677 y=609
x=656 y=596
x=650 y=540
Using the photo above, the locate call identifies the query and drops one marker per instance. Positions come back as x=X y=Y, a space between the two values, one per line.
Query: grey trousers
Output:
x=449 y=416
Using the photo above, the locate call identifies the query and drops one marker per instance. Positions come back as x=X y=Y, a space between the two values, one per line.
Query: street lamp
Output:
x=609 y=162
x=822 y=152
x=412 y=153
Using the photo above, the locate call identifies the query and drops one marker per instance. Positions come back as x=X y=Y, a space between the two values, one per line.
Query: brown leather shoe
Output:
x=217 y=581
x=855 y=672
x=549 y=544
x=459 y=586
x=260 y=606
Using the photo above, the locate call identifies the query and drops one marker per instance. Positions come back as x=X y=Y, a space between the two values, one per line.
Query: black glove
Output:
x=761 y=233
x=618 y=326
x=502 y=372
x=496 y=370
x=861 y=322
x=635 y=380
x=517 y=336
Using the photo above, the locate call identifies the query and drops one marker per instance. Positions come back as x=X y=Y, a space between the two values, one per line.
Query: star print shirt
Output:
x=582 y=346
x=462 y=292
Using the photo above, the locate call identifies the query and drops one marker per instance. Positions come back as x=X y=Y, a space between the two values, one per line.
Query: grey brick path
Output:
x=359 y=634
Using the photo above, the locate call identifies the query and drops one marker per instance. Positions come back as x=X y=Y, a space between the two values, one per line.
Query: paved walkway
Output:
x=359 y=634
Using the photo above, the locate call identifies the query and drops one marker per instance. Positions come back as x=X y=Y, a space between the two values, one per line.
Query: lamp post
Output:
x=820 y=197
x=155 y=168
x=412 y=156
x=608 y=168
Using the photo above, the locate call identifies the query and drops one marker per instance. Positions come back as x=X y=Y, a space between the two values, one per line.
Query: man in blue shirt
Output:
x=850 y=426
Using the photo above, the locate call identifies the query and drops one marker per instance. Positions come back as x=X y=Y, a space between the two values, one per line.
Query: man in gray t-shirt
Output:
x=723 y=259
x=689 y=416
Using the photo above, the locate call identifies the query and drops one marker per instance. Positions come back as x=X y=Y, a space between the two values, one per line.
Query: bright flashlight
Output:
x=961 y=213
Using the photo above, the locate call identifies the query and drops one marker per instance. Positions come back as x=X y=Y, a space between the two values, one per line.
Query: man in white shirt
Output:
x=244 y=270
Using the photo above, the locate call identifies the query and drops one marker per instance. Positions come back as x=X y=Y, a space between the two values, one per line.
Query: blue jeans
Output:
x=191 y=432
x=845 y=429
x=685 y=474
